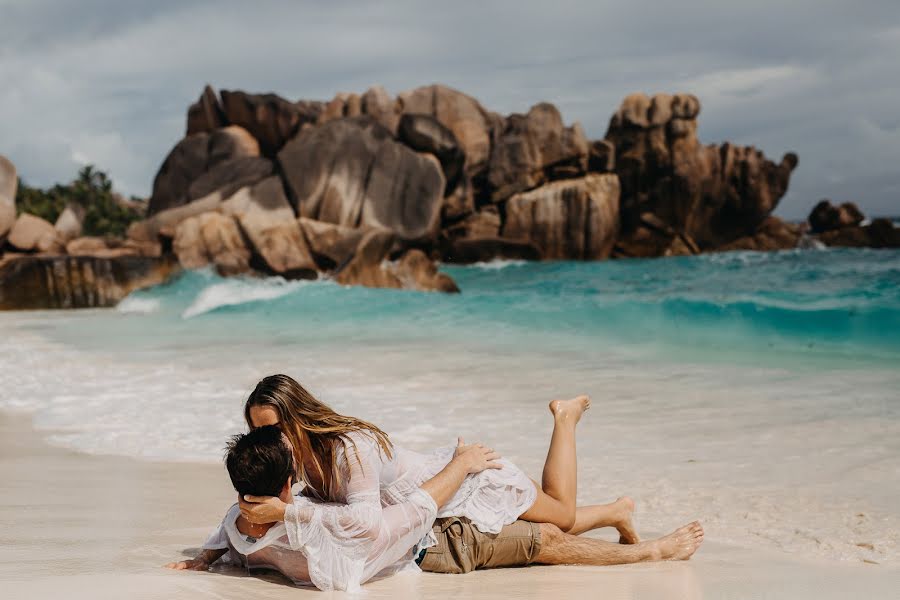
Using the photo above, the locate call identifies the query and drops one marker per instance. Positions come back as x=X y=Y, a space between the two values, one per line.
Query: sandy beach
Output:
x=80 y=526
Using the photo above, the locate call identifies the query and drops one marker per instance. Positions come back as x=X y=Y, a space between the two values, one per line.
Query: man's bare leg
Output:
x=615 y=514
x=558 y=548
x=555 y=501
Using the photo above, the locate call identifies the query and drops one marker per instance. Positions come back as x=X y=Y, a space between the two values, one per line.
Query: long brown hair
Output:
x=309 y=423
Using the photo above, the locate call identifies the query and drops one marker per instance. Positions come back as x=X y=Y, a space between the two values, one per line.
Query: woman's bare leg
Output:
x=555 y=501
x=615 y=514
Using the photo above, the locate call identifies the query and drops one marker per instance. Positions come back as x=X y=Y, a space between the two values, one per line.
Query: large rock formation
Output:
x=713 y=194
x=351 y=172
x=9 y=183
x=224 y=160
x=534 y=148
x=772 y=234
x=571 y=219
x=40 y=282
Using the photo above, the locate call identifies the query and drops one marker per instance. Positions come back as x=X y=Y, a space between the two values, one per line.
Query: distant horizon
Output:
x=109 y=83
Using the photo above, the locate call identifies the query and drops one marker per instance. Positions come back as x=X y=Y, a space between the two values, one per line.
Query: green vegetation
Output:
x=105 y=214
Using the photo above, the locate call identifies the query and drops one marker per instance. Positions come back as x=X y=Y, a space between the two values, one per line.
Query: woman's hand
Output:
x=475 y=457
x=262 y=509
x=195 y=564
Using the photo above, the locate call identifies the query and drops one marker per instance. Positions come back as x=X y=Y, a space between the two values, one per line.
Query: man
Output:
x=324 y=553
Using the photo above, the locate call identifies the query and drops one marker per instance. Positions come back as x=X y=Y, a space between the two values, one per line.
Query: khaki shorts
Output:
x=462 y=548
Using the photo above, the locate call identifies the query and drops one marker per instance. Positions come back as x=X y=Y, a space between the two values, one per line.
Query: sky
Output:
x=108 y=82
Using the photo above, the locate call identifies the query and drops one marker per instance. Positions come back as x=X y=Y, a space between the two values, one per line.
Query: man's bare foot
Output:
x=570 y=409
x=624 y=507
x=678 y=545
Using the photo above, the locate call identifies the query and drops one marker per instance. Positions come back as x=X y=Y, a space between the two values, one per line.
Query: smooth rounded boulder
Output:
x=574 y=219
x=225 y=160
x=34 y=234
x=458 y=112
x=9 y=184
x=211 y=238
x=825 y=216
x=352 y=172
x=267 y=219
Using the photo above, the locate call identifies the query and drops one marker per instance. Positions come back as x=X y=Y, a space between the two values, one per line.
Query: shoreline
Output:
x=88 y=526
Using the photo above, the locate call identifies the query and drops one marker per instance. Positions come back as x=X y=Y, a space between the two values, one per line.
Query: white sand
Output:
x=78 y=526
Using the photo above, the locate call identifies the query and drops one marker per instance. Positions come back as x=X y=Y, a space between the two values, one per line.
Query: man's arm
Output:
x=200 y=563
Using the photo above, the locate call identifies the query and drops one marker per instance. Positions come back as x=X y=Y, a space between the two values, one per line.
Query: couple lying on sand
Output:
x=370 y=509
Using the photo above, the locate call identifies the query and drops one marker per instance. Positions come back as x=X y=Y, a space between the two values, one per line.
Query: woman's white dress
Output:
x=380 y=508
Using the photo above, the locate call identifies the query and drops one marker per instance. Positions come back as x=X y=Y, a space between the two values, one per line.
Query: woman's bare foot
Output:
x=680 y=544
x=570 y=409
x=624 y=524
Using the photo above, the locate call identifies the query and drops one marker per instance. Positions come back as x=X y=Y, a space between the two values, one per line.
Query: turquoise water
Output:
x=811 y=308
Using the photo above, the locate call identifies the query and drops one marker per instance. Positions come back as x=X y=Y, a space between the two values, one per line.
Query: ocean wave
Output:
x=234 y=292
x=139 y=305
x=499 y=264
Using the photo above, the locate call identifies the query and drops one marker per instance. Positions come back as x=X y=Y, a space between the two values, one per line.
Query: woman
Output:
x=352 y=462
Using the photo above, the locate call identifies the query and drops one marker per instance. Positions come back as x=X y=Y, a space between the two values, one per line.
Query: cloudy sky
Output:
x=108 y=82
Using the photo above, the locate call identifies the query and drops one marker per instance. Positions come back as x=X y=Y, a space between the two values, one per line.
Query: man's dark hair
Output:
x=259 y=462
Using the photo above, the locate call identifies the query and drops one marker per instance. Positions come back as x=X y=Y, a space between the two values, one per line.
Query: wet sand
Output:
x=80 y=526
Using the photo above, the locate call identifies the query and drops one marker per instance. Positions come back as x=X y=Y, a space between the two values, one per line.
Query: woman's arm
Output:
x=467 y=460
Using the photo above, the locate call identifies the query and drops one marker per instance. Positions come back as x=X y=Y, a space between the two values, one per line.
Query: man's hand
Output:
x=195 y=564
x=475 y=457
x=262 y=509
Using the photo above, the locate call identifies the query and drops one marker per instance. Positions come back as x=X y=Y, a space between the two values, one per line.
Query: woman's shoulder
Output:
x=362 y=443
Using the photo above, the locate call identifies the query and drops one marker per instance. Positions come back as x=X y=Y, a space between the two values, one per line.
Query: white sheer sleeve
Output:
x=346 y=544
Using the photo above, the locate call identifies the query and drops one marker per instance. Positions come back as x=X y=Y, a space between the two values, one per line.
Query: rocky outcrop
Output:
x=271 y=119
x=164 y=223
x=880 y=233
x=461 y=114
x=772 y=234
x=41 y=282
x=211 y=238
x=202 y=163
x=654 y=237
x=571 y=219
x=206 y=113
x=267 y=220
x=485 y=249
x=366 y=268
x=418 y=272
x=826 y=217
x=9 y=183
x=34 y=234
x=111 y=247
x=424 y=133
x=713 y=194
x=351 y=172
x=534 y=148
x=332 y=246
